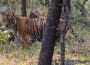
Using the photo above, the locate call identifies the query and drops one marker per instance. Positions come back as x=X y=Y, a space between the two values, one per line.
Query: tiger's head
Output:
x=8 y=20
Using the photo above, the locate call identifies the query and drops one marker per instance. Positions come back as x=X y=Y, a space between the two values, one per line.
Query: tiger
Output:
x=30 y=29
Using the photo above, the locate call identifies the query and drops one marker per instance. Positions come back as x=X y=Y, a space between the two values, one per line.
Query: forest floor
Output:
x=78 y=54
x=75 y=54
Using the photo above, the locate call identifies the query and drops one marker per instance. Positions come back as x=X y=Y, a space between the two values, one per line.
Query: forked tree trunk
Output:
x=50 y=33
x=23 y=8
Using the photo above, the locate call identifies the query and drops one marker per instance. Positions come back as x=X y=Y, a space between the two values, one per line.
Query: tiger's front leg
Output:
x=27 y=40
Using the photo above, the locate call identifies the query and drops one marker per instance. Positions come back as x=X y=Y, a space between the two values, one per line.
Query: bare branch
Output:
x=84 y=2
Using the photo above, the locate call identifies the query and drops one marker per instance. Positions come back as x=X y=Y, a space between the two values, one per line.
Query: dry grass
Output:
x=18 y=56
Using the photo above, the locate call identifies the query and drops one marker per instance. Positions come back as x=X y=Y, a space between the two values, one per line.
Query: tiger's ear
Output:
x=13 y=13
x=2 y=13
x=33 y=15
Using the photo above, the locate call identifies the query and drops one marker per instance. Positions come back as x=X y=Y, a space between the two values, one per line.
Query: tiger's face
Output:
x=8 y=20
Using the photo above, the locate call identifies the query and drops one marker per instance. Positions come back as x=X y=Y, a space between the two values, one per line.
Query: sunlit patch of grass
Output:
x=21 y=63
x=14 y=55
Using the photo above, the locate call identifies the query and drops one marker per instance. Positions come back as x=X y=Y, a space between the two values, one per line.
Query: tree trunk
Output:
x=63 y=28
x=61 y=40
x=23 y=8
x=50 y=33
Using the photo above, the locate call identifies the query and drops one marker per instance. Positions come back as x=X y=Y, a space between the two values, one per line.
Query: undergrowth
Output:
x=75 y=52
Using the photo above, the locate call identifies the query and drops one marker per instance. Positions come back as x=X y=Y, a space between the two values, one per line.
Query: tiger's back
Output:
x=35 y=28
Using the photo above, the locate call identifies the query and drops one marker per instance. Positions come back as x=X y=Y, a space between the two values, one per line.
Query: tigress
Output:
x=28 y=28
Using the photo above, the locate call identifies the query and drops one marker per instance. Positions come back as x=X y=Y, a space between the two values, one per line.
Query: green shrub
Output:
x=4 y=36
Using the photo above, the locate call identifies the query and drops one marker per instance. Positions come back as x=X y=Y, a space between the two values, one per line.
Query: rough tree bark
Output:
x=23 y=8
x=50 y=33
